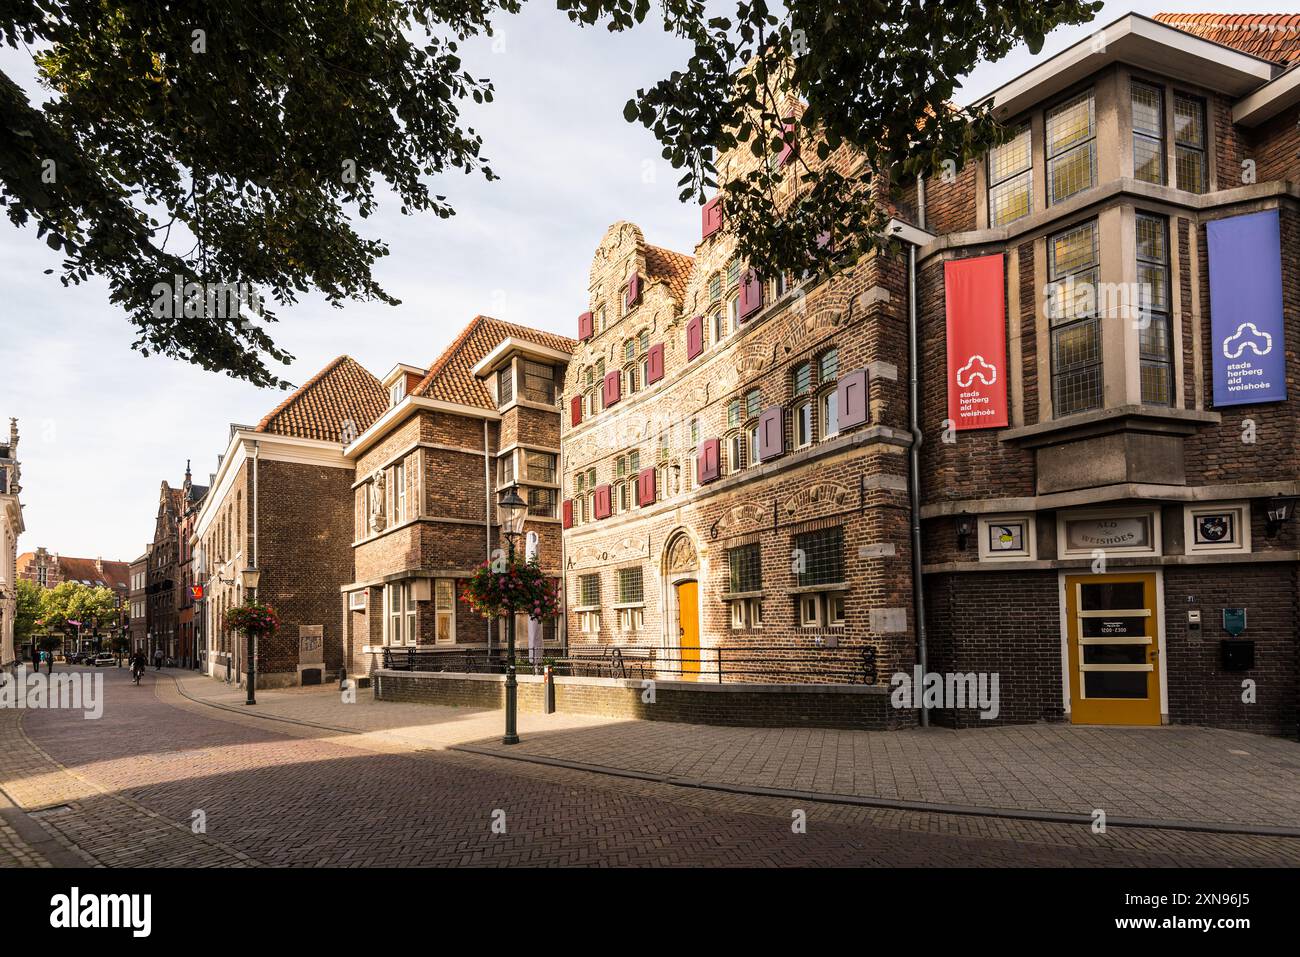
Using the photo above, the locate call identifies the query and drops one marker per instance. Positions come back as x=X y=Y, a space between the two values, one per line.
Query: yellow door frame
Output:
x=1131 y=711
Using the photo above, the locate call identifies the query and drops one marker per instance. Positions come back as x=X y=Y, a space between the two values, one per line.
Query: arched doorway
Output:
x=681 y=580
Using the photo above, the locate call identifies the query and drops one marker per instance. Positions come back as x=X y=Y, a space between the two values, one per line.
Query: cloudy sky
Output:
x=102 y=426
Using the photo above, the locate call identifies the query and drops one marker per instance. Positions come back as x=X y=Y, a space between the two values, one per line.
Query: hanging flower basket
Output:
x=253 y=618
x=511 y=587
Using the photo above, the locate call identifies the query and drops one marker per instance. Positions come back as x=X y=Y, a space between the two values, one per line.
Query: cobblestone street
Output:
x=163 y=779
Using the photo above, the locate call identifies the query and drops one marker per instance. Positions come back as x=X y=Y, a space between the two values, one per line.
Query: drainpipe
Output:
x=914 y=454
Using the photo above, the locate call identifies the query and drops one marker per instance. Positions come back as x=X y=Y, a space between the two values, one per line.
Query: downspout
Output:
x=487 y=512
x=914 y=454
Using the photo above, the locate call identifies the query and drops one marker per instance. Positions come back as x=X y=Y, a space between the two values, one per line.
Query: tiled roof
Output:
x=672 y=267
x=1269 y=36
x=451 y=379
x=321 y=408
x=114 y=575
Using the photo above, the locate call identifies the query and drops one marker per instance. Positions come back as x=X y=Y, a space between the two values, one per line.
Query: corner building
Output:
x=735 y=468
x=1121 y=548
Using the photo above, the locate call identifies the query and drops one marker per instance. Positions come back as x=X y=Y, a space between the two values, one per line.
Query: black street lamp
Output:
x=513 y=511
x=251 y=576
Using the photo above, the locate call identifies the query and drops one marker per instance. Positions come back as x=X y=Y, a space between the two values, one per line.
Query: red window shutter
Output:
x=575 y=410
x=568 y=513
x=633 y=290
x=771 y=434
x=707 y=464
x=655 y=363
x=852 y=399
x=603 y=500
x=694 y=337
x=751 y=295
x=586 y=326
x=613 y=387
x=711 y=216
x=645 y=486
x=791 y=149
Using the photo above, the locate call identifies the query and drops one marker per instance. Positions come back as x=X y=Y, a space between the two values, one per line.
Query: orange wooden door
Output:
x=688 y=629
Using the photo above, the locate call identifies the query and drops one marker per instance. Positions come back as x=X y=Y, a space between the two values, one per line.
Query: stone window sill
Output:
x=1142 y=418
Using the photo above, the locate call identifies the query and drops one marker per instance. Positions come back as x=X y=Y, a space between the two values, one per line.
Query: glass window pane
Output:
x=1148 y=110
x=1073 y=250
x=1190 y=167
x=1148 y=159
x=1071 y=172
x=1010 y=158
x=1011 y=200
x=1115 y=684
x=1077 y=391
x=1189 y=121
x=1070 y=123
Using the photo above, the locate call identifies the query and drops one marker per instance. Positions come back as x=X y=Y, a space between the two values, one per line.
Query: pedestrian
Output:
x=157 y=660
x=49 y=662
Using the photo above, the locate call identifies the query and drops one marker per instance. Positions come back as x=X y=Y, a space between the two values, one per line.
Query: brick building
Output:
x=138 y=601
x=11 y=526
x=50 y=569
x=187 y=623
x=162 y=587
x=427 y=475
x=1094 y=529
x=735 y=467
x=1100 y=547
x=281 y=501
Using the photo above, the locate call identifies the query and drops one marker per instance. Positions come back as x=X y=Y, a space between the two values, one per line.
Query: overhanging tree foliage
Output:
x=251 y=131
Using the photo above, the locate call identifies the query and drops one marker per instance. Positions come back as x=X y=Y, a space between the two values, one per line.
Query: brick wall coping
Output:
x=733 y=687
x=1109 y=493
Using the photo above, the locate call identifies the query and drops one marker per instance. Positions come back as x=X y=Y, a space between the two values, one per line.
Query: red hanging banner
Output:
x=977 y=342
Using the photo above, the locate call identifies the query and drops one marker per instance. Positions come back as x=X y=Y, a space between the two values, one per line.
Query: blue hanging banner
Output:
x=1246 y=333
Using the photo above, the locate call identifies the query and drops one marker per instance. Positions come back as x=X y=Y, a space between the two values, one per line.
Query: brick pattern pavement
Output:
x=297 y=795
x=1168 y=774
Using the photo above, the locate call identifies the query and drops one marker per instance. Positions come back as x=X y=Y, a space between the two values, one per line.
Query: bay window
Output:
x=1148 y=132
x=1189 y=143
x=1154 y=333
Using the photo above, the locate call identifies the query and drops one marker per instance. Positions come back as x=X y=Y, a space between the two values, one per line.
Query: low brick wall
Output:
x=862 y=707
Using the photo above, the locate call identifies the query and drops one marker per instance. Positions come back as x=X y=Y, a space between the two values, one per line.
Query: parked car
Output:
x=104 y=658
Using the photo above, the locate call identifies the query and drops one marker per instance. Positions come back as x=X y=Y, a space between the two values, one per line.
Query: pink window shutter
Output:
x=567 y=512
x=646 y=486
x=708 y=460
x=751 y=295
x=586 y=326
x=603 y=500
x=655 y=363
x=575 y=410
x=694 y=337
x=711 y=217
x=633 y=290
x=791 y=149
x=771 y=434
x=613 y=387
x=852 y=398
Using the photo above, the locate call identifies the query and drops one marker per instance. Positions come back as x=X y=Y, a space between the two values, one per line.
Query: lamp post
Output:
x=251 y=576
x=513 y=510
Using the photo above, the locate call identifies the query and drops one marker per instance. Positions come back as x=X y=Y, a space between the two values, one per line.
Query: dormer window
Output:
x=397 y=392
x=539 y=382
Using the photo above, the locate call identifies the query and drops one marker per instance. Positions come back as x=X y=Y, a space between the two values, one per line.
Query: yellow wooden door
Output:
x=688 y=629
x=1113 y=648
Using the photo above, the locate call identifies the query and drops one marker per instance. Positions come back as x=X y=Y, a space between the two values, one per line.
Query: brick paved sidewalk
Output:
x=1173 y=775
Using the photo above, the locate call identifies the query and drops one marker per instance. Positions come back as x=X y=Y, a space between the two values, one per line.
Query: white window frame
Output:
x=799 y=409
x=823 y=410
x=399 y=492
x=1241 y=510
x=810 y=610
x=746 y=613
x=1029 y=538
x=397 y=391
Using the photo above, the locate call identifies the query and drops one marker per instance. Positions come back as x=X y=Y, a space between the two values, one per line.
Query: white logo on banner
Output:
x=976 y=368
x=1243 y=342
